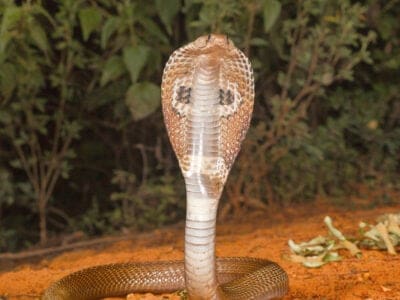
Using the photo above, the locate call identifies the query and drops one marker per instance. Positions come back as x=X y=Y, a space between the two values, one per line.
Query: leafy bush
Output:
x=82 y=134
x=318 y=47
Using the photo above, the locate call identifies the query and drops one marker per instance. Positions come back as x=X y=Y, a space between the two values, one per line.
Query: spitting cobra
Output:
x=207 y=100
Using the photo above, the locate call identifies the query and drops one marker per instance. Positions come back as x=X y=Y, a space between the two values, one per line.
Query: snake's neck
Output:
x=203 y=192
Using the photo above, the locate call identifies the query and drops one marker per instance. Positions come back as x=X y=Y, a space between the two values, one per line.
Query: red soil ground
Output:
x=376 y=275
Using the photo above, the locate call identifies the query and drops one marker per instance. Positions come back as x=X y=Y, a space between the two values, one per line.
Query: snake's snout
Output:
x=213 y=40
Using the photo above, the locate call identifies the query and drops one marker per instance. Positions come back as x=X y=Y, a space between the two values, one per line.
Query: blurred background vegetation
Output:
x=82 y=141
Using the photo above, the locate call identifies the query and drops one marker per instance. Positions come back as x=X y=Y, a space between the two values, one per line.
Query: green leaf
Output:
x=135 y=58
x=71 y=129
x=258 y=42
x=5 y=117
x=109 y=28
x=153 y=29
x=11 y=16
x=105 y=95
x=39 y=36
x=16 y=163
x=167 y=10
x=65 y=169
x=37 y=9
x=8 y=79
x=40 y=104
x=113 y=69
x=143 y=99
x=90 y=19
x=271 y=11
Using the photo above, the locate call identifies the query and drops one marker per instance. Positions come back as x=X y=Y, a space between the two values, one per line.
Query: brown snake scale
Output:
x=207 y=99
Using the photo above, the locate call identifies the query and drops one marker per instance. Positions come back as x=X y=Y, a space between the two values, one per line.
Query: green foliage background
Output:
x=82 y=140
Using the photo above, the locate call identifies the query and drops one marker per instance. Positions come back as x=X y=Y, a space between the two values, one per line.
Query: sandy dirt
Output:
x=376 y=275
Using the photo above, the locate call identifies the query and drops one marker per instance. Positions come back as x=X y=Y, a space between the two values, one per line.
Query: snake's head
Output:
x=213 y=43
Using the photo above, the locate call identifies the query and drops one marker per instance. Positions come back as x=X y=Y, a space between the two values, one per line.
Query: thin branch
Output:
x=25 y=165
x=314 y=59
x=298 y=36
x=34 y=166
x=56 y=167
x=250 y=25
x=306 y=90
x=145 y=168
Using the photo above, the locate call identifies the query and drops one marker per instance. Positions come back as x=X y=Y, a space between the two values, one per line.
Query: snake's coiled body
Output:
x=263 y=276
x=207 y=97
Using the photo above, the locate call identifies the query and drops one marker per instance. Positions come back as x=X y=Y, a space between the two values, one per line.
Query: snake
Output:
x=207 y=95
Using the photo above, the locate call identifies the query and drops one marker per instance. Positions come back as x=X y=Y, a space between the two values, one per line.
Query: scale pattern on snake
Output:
x=207 y=100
